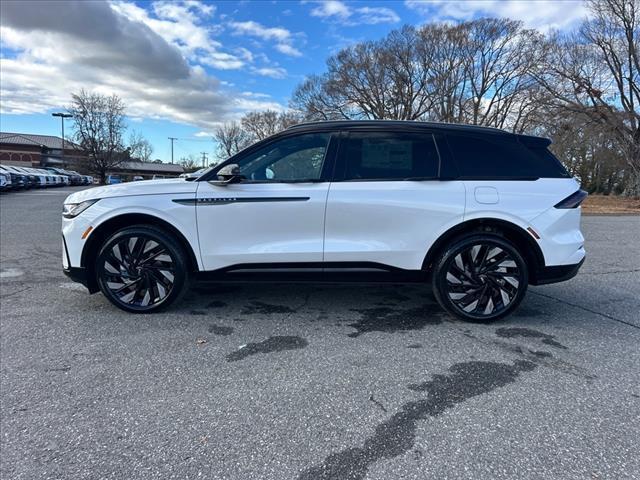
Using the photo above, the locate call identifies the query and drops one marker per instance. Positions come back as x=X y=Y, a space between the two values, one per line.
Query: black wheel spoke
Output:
x=161 y=280
x=126 y=286
x=152 y=254
x=138 y=248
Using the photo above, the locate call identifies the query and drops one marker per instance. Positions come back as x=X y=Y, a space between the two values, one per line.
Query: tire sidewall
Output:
x=181 y=275
x=440 y=287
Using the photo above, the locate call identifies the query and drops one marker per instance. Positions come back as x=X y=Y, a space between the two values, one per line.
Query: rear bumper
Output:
x=556 y=273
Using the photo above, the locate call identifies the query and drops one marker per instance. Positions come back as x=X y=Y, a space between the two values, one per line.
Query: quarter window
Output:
x=501 y=156
x=291 y=159
x=390 y=156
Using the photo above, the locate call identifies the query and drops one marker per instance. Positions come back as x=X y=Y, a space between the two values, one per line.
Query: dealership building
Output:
x=29 y=150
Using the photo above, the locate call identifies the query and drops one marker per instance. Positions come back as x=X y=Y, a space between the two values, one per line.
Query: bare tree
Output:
x=139 y=147
x=312 y=102
x=260 y=125
x=498 y=60
x=190 y=163
x=231 y=139
x=477 y=72
x=99 y=126
x=596 y=73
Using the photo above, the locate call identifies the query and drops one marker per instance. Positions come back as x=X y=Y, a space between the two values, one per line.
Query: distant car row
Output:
x=19 y=178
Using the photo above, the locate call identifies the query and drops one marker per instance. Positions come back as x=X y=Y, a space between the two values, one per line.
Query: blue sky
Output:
x=183 y=67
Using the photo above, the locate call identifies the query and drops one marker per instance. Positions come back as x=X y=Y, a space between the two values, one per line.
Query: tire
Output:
x=142 y=269
x=480 y=278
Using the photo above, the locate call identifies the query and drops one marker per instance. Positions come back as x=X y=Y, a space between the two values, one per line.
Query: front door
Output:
x=276 y=214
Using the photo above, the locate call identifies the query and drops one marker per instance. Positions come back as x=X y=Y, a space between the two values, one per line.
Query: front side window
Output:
x=390 y=156
x=292 y=159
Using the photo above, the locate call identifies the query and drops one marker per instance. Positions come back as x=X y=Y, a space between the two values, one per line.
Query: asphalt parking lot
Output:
x=315 y=381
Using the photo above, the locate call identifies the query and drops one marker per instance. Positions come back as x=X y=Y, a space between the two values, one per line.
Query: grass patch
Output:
x=611 y=205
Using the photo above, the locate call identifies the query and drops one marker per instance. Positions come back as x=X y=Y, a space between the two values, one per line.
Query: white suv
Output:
x=478 y=212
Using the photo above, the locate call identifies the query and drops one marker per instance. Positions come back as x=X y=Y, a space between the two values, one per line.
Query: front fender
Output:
x=179 y=216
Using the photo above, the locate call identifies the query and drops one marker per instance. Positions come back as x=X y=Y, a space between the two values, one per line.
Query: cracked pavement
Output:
x=277 y=381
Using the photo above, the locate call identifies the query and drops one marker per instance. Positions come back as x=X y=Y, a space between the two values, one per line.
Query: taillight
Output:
x=572 y=201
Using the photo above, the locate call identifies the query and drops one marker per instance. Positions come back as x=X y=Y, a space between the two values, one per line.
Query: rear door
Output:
x=387 y=204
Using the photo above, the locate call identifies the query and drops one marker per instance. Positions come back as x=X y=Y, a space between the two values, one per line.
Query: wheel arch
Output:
x=524 y=241
x=113 y=224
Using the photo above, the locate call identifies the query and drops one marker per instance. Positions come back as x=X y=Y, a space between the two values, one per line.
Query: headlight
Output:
x=71 y=210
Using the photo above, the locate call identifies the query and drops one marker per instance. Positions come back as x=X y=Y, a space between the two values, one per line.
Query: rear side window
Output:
x=501 y=157
x=389 y=156
x=547 y=163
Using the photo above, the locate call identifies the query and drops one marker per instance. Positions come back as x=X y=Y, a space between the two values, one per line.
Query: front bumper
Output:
x=556 y=273
x=76 y=274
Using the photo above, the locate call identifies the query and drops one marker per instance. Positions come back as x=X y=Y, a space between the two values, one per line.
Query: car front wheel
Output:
x=142 y=269
x=480 y=278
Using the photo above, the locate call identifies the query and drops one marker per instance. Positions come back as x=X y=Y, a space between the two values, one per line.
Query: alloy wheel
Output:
x=138 y=272
x=483 y=280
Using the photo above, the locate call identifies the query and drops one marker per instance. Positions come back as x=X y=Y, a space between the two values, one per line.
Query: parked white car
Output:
x=478 y=212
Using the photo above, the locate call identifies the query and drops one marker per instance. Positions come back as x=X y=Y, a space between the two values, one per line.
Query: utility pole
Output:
x=172 y=140
x=204 y=159
x=62 y=117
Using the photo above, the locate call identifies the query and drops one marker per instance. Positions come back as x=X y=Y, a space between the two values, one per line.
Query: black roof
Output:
x=411 y=124
x=348 y=124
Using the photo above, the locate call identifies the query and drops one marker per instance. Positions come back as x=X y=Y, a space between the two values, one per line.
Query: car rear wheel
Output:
x=480 y=278
x=142 y=269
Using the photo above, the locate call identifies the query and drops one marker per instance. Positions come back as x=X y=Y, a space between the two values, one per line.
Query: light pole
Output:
x=172 y=140
x=62 y=117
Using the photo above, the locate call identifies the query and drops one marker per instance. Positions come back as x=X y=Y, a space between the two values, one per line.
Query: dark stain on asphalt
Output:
x=220 y=330
x=63 y=368
x=540 y=354
x=391 y=320
x=529 y=333
x=197 y=312
x=216 y=304
x=270 y=345
x=415 y=345
x=396 y=436
x=265 y=308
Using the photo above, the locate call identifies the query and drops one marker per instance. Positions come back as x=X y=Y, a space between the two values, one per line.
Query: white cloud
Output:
x=288 y=50
x=221 y=61
x=258 y=30
x=115 y=50
x=273 y=72
x=331 y=8
x=202 y=134
x=283 y=37
x=255 y=95
x=375 y=15
x=342 y=13
x=544 y=15
x=180 y=24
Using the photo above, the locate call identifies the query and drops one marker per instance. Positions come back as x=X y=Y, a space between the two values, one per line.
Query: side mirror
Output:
x=229 y=174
